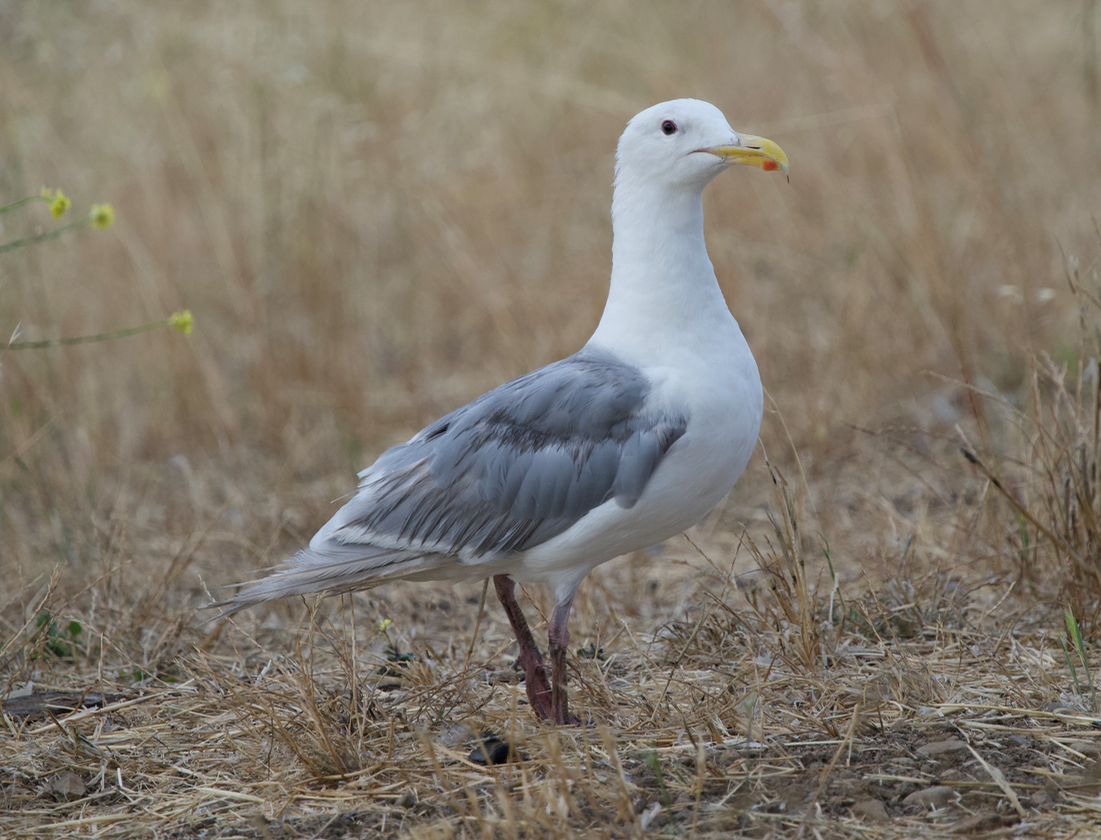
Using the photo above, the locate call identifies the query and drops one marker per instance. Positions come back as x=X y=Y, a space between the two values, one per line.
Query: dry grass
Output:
x=376 y=212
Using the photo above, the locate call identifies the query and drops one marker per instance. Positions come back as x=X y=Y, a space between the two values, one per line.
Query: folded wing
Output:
x=506 y=472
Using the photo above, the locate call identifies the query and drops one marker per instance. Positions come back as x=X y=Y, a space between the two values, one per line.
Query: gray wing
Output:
x=515 y=467
x=510 y=470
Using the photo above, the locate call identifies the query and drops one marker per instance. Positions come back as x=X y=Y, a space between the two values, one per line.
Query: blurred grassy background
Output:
x=377 y=211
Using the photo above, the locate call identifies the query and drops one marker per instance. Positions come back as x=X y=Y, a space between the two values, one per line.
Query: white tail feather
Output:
x=332 y=571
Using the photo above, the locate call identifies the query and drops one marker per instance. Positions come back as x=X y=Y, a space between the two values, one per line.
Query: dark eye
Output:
x=669 y=127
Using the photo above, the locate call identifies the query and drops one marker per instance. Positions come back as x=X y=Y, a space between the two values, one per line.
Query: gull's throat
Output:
x=663 y=285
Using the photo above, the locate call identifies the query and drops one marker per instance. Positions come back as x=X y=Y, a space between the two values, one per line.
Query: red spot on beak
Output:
x=769 y=165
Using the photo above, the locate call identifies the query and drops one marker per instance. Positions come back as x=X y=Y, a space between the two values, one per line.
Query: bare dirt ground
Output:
x=375 y=212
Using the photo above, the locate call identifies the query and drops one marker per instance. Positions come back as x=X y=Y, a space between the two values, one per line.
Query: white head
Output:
x=685 y=143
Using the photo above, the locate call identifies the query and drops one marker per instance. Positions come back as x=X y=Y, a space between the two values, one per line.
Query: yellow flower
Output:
x=102 y=215
x=181 y=321
x=59 y=203
x=382 y=625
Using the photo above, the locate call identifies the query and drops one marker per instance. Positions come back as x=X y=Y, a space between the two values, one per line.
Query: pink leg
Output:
x=540 y=694
x=558 y=635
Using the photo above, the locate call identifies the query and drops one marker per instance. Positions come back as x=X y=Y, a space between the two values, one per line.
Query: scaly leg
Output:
x=558 y=635
x=540 y=694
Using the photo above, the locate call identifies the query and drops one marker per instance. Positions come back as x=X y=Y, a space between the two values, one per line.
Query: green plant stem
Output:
x=1075 y=634
x=1070 y=665
x=23 y=201
x=85 y=339
x=43 y=237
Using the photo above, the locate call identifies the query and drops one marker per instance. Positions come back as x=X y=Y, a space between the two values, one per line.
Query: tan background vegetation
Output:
x=377 y=211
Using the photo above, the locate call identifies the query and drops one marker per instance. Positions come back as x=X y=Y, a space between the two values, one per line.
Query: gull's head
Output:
x=685 y=143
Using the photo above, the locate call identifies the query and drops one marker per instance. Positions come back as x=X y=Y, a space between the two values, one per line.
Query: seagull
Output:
x=630 y=441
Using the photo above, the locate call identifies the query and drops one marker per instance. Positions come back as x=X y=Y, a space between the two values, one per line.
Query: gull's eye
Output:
x=669 y=127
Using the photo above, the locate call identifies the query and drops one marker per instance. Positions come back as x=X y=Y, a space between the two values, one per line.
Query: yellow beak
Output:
x=754 y=151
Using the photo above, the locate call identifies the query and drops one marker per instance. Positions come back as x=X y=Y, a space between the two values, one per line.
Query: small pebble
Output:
x=1039 y=799
x=871 y=810
x=936 y=797
x=982 y=823
x=67 y=785
x=938 y=748
x=492 y=750
x=1087 y=748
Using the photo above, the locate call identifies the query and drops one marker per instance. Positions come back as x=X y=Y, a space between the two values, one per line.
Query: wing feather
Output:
x=515 y=467
x=506 y=472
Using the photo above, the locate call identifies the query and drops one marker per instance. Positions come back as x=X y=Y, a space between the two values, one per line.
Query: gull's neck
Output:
x=663 y=294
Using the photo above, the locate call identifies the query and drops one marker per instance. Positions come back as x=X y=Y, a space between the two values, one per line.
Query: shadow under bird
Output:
x=628 y=442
